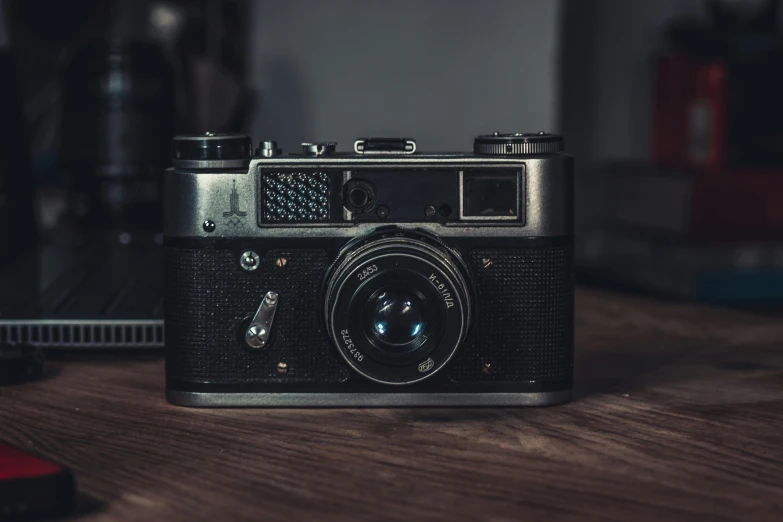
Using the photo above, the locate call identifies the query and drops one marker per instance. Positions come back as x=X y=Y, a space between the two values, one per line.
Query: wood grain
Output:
x=678 y=416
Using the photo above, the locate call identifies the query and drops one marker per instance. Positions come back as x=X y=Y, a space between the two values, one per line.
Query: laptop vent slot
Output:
x=83 y=334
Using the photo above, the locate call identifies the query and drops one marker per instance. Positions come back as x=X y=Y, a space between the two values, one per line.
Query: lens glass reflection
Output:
x=397 y=317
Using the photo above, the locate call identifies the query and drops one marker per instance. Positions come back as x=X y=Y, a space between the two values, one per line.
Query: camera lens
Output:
x=397 y=318
x=397 y=305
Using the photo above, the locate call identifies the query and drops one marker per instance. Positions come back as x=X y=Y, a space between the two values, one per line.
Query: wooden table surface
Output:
x=678 y=416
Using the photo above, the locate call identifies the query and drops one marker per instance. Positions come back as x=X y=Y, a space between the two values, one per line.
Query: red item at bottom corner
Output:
x=18 y=464
x=33 y=488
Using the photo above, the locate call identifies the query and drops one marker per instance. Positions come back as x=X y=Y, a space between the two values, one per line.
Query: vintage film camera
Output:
x=379 y=277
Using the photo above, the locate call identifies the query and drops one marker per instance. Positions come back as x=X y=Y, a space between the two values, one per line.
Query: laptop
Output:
x=95 y=297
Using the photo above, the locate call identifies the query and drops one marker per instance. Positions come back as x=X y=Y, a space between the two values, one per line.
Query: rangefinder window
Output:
x=490 y=195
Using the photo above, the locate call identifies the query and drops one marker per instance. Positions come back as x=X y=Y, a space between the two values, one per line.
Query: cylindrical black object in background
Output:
x=119 y=118
x=17 y=223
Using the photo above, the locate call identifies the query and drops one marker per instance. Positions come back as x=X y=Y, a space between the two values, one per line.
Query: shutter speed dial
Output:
x=211 y=150
x=518 y=144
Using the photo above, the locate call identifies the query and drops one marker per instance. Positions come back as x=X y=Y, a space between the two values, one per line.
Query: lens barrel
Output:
x=397 y=305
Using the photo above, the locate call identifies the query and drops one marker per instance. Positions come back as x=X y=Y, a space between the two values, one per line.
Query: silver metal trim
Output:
x=434 y=160
x=363 y=400
x=347 y=214
x=269 y=149
x=84 y=333
x=192 y=197
x=358 y=147
x=462 y=215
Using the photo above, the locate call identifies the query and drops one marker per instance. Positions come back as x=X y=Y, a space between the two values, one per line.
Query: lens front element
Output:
x=397 y=318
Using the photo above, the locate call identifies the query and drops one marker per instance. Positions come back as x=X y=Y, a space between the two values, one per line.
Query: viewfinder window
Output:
x=490 y=195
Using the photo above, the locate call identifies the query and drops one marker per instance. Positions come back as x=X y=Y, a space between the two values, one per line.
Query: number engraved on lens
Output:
x=443 y=289
x=350 y=346
x=368 y=270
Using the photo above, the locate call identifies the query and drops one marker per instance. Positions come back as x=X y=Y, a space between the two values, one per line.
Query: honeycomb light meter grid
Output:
x=295 y=197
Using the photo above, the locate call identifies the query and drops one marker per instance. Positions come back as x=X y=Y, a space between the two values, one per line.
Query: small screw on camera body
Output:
x=281 y=262
x=486 y=368
x=486 y=263
x=430 y=211
x=208 y=226
x=282 y=368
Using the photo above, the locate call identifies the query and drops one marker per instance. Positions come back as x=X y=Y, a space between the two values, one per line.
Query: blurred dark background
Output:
x=672 y=109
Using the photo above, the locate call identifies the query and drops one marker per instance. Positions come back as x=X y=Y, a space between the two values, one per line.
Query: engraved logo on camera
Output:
x=233 y=209
x=426 y=365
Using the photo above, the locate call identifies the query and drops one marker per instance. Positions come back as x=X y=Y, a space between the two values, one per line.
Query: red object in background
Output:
x=706 y=117
x=690 y=113
x=741 y=204
x=734 y=183
x=31 y=487
x=697 y=204
x=670 y=99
